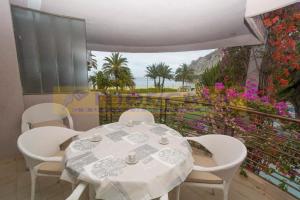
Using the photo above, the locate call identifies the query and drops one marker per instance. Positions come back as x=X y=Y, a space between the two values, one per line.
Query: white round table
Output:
x=103 y=165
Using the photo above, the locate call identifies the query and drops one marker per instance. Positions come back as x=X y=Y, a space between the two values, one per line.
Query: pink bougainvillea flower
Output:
x=281 y=108
x=205 y=92
x=219 y=86
x=265 y=99
x=250 y=94
x=231 y=93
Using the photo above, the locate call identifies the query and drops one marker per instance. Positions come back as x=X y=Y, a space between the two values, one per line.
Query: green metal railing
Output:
x=273 y=141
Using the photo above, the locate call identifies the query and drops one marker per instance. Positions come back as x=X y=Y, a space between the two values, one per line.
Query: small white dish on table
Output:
x=164 y=140
x=95 y=138
x=131 y=158
x=130 y=123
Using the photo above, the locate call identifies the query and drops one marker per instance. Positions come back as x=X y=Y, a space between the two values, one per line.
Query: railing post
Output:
x=166 y=110
x=106 y=108
x=160 y=110
x=111 y=109
x=100 y=110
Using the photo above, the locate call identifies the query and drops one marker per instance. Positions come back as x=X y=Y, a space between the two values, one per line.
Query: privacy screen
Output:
x=51 y=52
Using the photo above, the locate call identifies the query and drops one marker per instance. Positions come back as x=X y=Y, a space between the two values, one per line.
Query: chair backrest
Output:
x=43 y=141
x=137 y=114
x=228 y=152
x=45 y=112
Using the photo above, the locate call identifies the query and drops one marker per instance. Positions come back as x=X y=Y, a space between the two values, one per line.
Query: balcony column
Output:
x=11 y=99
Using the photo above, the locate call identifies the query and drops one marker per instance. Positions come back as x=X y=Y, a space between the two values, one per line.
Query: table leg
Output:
x=91 y=193
x=177 y=189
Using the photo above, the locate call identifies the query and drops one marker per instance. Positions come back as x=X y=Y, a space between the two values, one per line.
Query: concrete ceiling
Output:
x=155 y=25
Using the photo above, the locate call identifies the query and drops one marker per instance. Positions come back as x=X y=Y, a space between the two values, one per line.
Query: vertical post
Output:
x=254 y=66
x=166 y=110
x=100 y=110
x=160 y=110
x=106 y=107
x=111 y=109
x=147 y=85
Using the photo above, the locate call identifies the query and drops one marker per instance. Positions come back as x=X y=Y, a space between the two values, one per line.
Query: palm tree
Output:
x=93 y=80
x=151 y=72
x=91 y=61
x=100 y=80
x=184 y=74
x=164 y=72
x=115 y=66
x=103 y=82
x=126 y=79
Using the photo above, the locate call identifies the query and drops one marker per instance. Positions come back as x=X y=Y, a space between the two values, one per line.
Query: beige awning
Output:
x=163 y=25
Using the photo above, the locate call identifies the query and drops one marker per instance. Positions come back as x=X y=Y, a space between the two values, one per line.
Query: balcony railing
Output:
x=273 y=141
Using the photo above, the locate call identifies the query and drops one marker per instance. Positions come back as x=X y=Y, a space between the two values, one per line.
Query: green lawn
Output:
x=140 y=90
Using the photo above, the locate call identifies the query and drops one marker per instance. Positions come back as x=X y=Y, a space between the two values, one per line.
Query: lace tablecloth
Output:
x=160 y=168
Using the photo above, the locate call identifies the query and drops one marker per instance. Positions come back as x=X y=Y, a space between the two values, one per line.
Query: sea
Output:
x=144 y=82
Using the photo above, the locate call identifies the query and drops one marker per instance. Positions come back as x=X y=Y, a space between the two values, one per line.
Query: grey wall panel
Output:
x=47 y=51
x=28 y=53
x=51 y=52
x=63 y=40
x=79 y=54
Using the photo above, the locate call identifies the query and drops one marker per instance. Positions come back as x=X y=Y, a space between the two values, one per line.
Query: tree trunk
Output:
x=162 y=84
x=254 y=67
x=158 y=82
x=182 y=83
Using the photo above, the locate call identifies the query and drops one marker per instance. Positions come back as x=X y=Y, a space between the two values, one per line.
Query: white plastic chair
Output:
x=136 y=114
x=228 y=153
x=45 y=112
x=40 y=148
x=78 y=191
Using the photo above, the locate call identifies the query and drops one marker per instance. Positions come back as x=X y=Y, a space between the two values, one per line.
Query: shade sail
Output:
x=258 y=7
x=156 y=25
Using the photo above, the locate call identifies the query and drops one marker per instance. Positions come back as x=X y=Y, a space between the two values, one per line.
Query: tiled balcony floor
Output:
x=15 y=185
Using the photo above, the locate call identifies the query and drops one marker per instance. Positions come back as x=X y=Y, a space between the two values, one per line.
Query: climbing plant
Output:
x=281 y=65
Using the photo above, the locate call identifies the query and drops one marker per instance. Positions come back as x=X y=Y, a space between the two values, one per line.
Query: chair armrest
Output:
x=195 y=139
x=25 y=127
x=53 y=159
x=204 y=169
x=198 y=167
x=40 y=158
x=77 y=192
x=70 y=119
x=211 y=169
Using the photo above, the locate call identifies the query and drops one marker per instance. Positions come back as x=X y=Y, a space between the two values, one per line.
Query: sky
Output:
x=138 y=62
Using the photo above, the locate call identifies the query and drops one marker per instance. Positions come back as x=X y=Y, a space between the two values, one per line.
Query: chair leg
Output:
x=33 y=183
x=225 y=194
x=226 y=191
